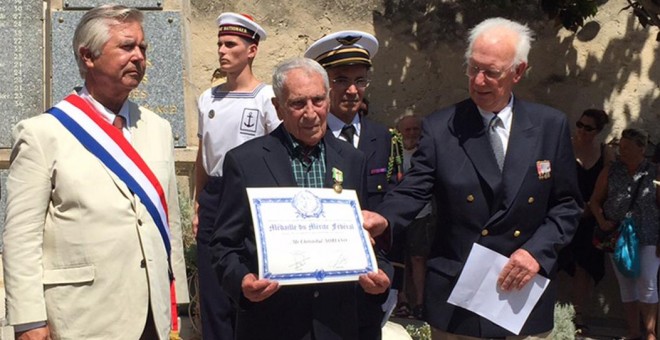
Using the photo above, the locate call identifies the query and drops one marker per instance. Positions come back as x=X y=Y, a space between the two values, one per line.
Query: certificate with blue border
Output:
x=307 y=235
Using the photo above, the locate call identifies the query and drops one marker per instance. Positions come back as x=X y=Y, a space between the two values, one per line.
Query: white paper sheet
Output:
x=477 y=291
x=307 y=235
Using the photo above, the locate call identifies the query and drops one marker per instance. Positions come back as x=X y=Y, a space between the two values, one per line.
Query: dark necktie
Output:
x=496 y=141
x=348 y=131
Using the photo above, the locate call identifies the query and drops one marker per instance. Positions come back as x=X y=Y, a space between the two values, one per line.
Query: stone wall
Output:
x=610 y=63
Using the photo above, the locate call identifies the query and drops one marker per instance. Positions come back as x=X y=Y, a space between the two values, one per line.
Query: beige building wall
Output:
x=611 y=63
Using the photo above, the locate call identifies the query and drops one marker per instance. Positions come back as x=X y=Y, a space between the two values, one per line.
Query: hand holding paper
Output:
x=477 y=290
x=520 y=269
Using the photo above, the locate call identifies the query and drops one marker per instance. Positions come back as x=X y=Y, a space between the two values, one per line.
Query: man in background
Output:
x=230 y=114
x=418 y=235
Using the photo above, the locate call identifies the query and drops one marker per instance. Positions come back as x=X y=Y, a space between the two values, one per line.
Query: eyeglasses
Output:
x=490 y=74
x=344 y=83
x=584 y=126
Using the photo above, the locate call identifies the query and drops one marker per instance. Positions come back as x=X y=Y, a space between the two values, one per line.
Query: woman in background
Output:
x=580 y=259
x=609 y=203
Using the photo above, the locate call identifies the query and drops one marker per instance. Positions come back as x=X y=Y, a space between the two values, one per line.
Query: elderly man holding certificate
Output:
x=269 y=276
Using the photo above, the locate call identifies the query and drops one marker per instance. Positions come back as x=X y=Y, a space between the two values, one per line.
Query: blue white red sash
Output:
x=108 y=144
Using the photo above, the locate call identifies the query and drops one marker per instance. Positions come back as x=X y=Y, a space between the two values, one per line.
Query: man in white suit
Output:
x=92 y=231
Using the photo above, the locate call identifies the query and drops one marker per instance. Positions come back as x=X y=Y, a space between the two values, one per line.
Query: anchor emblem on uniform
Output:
x=249 y=120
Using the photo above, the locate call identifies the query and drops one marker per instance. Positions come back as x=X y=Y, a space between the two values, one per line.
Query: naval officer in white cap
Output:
x=346 y=56
x=230 y=114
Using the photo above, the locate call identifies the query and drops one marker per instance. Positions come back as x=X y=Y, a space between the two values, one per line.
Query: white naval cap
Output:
x=241 y=25
x=344 y=48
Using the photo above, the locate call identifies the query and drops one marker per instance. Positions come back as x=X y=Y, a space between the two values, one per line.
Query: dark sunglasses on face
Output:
x=586 y=127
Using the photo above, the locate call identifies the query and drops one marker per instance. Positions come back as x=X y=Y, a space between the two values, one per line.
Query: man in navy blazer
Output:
x=509 y=185
x=266 y=310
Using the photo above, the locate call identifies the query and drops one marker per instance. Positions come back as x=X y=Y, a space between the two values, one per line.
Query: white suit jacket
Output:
x=80 y=250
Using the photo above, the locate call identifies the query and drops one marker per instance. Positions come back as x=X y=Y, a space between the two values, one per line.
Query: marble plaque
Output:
x=161 y=89
x=87 y=4
x=21 y=62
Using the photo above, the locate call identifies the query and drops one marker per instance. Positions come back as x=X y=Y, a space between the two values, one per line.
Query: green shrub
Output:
x=564 y=326
x=422 y=332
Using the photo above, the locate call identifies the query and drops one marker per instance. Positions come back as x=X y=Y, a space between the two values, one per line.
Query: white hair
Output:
x=306 y=64
x=93 y=30
x=523 y=33
x=405 y=116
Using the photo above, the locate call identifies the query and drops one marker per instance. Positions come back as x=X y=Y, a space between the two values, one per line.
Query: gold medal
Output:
x=338 y=188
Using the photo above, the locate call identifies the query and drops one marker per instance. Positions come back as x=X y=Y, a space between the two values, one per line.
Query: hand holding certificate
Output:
x=306 y=235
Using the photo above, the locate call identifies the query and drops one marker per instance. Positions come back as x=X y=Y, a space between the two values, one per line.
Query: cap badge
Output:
x=349 y=39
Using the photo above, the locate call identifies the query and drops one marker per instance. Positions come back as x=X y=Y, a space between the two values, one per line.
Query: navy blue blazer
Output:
x=375 y=143
x=324 y=311
x=477 y=204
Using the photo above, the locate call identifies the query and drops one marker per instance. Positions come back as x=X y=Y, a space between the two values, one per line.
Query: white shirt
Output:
x=503 y=130
x=335 y=125
x=108 y=115
x=228 y=119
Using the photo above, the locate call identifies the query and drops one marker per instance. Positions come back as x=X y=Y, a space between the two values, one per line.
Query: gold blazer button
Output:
x=530 y=200
x=470 y=198
x=484 y=232
x=379 y=187
x=516 y=233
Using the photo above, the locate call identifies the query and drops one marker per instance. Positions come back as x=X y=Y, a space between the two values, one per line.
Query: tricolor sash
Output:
x=108 y=144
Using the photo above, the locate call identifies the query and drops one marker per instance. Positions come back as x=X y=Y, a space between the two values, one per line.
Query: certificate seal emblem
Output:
x=320 y=275
x=307 y=204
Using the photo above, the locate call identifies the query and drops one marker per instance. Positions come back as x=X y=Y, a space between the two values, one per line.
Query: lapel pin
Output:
x=543 y=169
